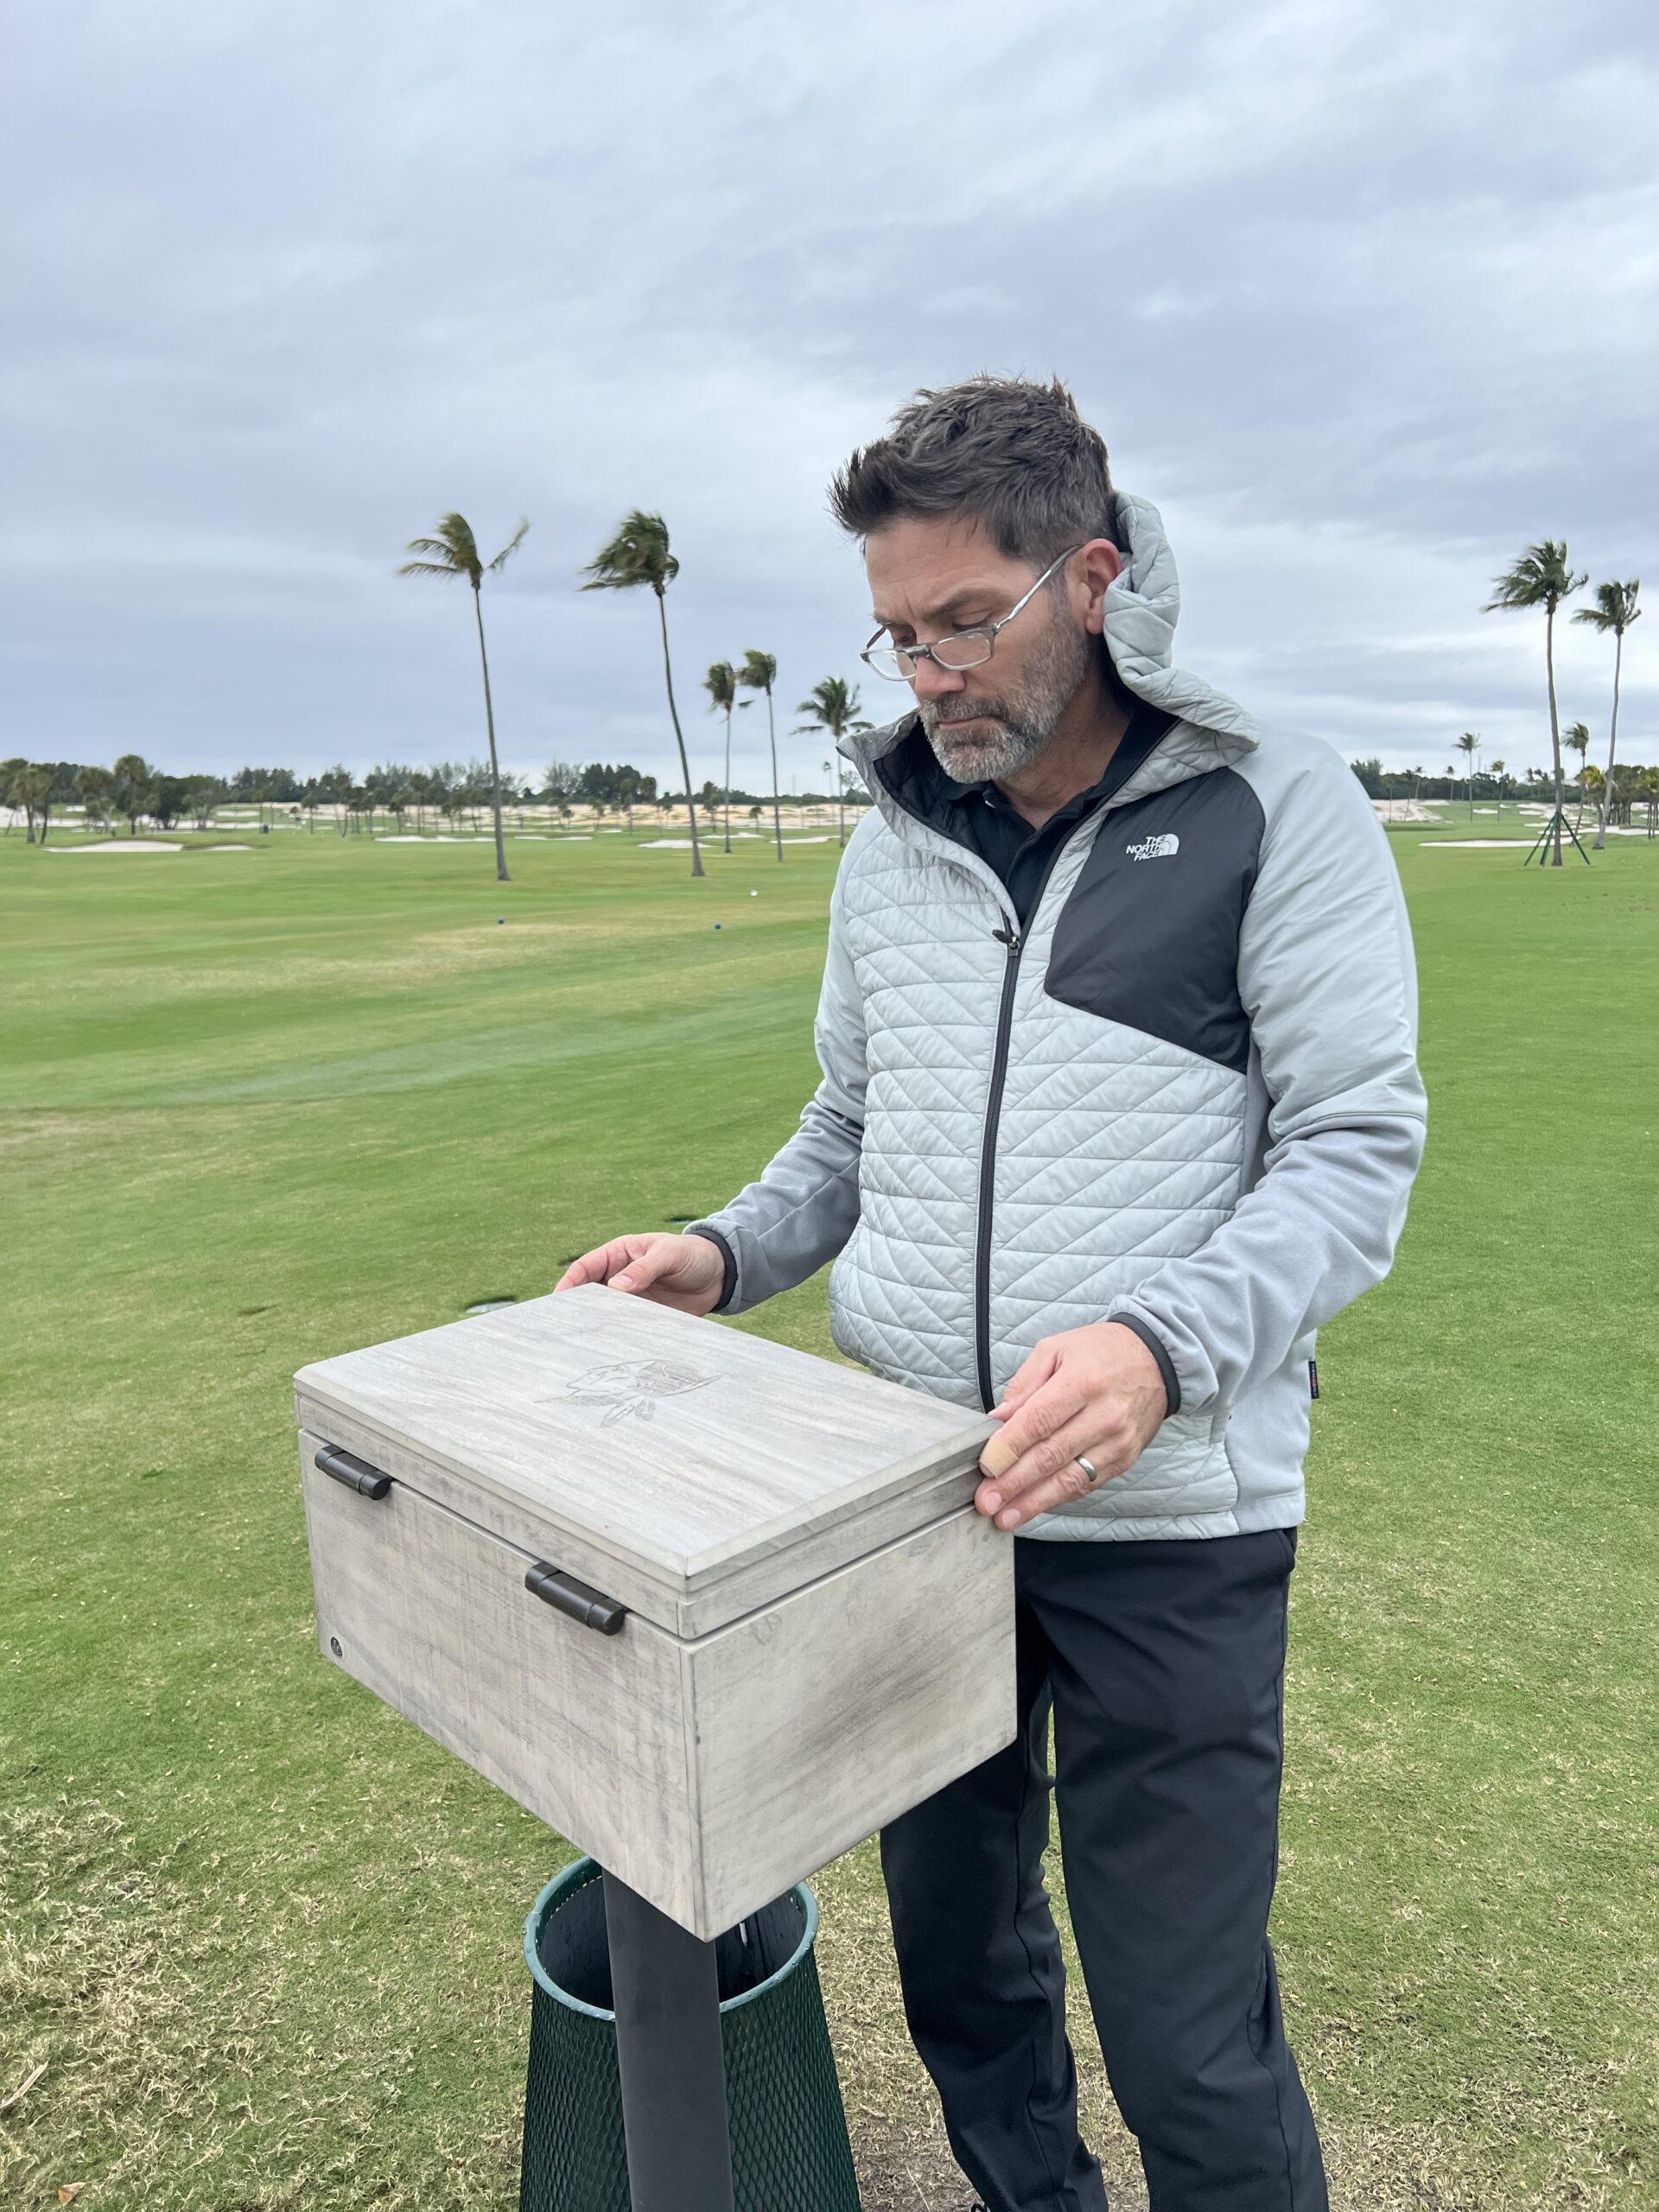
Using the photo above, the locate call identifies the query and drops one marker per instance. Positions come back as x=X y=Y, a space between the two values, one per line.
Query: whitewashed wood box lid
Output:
x=691 y=1471
x=803 y=1625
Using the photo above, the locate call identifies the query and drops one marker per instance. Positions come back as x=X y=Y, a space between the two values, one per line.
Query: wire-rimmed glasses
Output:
x=961 y=649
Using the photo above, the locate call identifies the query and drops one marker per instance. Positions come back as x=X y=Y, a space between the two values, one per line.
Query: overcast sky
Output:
x=1361 y=296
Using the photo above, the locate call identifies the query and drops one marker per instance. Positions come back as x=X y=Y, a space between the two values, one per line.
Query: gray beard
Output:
x=1016 y=726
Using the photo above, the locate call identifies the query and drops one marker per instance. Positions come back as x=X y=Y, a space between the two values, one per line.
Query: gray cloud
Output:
x=1363 y=298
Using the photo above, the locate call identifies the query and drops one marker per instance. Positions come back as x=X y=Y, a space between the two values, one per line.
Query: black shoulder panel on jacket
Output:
x=1149 y=934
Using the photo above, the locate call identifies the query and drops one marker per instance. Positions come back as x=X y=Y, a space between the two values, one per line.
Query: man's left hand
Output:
x=1096 y=1390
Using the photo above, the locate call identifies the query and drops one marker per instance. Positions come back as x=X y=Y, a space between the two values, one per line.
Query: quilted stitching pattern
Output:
x=1115 y=1150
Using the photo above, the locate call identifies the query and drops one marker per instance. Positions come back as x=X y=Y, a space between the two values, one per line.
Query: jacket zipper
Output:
x=1014 y=941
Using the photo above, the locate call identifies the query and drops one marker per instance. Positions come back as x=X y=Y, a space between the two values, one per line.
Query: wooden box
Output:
x=712 y=1608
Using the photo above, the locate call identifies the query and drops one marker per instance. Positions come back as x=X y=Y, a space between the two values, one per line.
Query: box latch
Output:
x=579 y=1599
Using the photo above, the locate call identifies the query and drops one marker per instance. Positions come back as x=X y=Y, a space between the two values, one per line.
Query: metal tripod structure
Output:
x=1551 y=831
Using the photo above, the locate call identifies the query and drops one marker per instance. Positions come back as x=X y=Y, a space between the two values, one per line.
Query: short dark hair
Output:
x=1012 y=452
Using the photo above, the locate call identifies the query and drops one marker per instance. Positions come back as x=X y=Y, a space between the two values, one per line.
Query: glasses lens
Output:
x=966 y=650
x=886 y=660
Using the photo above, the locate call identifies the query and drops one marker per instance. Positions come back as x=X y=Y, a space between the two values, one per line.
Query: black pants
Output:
x=1163 y=1664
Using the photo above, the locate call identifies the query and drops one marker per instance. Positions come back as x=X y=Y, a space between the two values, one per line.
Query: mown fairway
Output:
x=262 y=1106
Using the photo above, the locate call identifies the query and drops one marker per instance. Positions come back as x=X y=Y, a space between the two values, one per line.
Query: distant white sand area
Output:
x=122 y=845
x=146 y=845
x=683 y=844
x=1587 y=832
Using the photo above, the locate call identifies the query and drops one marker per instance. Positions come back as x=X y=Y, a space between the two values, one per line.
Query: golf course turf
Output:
x=260 y=1106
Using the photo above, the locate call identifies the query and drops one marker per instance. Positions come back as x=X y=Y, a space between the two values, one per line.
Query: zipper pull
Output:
x=1009 y=937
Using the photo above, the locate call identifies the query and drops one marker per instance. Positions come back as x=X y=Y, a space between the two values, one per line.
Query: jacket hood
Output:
x=1142 y=608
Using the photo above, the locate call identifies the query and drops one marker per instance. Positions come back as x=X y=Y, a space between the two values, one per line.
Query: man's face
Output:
x=928 y=578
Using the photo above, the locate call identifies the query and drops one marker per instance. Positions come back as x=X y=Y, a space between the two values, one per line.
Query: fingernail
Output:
x=623 y=1283
x=1009 y=1520
x=991 y=1500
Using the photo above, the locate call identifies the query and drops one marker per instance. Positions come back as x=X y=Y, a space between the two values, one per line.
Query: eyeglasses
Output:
x=963 y=649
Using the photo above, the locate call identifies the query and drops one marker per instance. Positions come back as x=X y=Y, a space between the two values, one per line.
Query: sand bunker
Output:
x=683 y=844
x=122 y=845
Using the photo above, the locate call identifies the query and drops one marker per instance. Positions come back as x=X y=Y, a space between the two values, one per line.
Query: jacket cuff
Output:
x=730 y=1258
x=1154 y=1344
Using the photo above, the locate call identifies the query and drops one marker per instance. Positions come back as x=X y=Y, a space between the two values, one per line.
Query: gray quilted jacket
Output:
x=1187 y=1099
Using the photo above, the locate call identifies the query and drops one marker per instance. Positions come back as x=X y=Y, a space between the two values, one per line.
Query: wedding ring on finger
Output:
x=1088 y=1468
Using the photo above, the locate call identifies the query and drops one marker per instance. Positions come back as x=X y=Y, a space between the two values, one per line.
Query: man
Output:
x=1120 y=1103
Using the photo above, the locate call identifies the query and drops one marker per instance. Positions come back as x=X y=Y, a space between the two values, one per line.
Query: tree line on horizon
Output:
x=1634 y=784
x=134 y=790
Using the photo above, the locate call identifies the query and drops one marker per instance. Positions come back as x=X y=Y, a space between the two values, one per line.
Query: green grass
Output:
x=256 y=1108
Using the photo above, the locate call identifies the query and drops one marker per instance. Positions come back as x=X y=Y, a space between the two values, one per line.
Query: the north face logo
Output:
x=1154 y=848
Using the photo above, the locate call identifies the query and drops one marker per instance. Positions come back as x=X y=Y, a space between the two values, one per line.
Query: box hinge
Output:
x=356 y=1474
x=579 y=1599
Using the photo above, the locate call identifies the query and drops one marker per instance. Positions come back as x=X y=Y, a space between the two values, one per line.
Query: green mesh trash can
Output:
x=790 y=2152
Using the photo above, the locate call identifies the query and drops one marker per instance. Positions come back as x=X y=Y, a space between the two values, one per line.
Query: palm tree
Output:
x=637 y=553
x=131 y=791
x=94 y=786
x=1648 y=784
x=758 y=673
x=832 y=707
x=1469 y=744
x=1615 y=609
x=720 y=684
x=454 y=552
x=31 y=789
x=1576 y=738
x=1500 y=769
x=1541 y=578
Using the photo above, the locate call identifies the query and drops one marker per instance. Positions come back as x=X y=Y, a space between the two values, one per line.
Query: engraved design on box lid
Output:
x=628 y=1386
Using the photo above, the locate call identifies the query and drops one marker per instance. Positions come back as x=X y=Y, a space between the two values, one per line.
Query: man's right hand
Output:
x=685 y=1272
